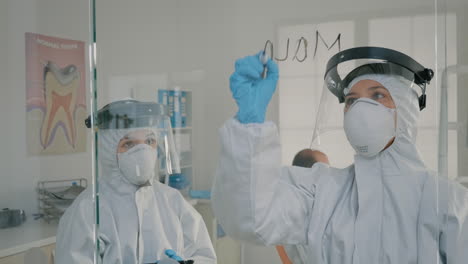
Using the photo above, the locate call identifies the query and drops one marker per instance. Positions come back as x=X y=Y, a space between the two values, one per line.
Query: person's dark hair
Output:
x=304 y=158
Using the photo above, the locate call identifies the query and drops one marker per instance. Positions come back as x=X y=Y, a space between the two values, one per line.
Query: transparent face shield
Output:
x=135 y=138
x=350 y=80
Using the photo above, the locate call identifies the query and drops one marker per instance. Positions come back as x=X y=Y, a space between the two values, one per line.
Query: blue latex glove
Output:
x=251 y=92
x=172 y=254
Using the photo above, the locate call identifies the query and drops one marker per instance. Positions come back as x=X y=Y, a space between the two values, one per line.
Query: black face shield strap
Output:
x=409 y=69
x=126 y=114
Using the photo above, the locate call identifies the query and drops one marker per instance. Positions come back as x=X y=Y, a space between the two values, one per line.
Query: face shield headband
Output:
x=382 y=61
x=127 y=114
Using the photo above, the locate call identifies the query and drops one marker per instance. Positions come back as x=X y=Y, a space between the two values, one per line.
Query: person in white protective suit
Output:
x=140 y=219
x=385 y=208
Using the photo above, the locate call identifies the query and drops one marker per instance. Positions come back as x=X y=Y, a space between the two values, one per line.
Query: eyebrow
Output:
x=376 y=87
x=150 y=134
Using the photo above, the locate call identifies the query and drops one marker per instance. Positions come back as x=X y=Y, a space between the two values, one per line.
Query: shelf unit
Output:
x=54 y=197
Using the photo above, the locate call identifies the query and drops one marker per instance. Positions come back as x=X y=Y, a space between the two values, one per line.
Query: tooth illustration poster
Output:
x=55 y=95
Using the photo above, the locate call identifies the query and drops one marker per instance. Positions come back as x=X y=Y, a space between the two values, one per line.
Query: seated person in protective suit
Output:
x=140 y=219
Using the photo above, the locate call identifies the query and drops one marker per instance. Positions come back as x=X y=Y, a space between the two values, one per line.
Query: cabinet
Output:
x=33 y=239
x=39 y=255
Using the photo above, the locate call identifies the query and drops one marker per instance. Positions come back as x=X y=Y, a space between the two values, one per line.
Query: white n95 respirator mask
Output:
x=138 y=164
x=369 y=126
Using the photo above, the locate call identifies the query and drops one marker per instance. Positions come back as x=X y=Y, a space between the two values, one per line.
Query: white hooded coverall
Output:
x=136 y=224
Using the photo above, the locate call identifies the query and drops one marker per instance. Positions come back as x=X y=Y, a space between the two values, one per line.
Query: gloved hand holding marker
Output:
x=173 y=258
x=252 y=84
x=172 y=254
x=172 y=261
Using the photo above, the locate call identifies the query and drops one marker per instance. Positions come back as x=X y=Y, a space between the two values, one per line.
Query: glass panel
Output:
x=180 y=54
x=160 y=65
x=452 y=133
x=46 y=158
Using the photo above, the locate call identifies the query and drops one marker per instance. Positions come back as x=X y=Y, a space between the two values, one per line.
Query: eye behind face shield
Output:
x=374 y=60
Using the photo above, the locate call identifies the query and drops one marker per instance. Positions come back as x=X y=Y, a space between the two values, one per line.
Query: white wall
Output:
x=20 y=171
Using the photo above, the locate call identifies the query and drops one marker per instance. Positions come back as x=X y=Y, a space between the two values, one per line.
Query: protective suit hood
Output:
x=407 y=109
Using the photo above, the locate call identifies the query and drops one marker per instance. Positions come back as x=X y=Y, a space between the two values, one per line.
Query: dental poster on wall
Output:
x=55 y=95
